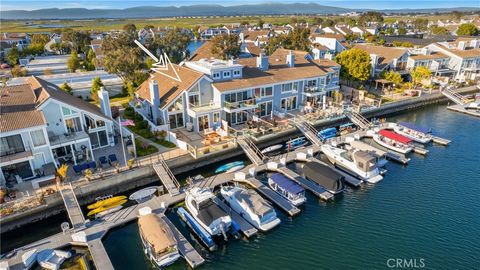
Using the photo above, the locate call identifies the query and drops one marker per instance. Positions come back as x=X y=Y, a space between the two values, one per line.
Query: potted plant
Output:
x=130 y=163
x=88 y=174
x=61 y=174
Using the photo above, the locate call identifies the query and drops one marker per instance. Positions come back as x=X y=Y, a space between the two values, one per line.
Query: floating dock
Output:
x=461 y=109
x=440 y=141
x=420 y=150
x=247 y=229
x=192 y=257
x=309 y=185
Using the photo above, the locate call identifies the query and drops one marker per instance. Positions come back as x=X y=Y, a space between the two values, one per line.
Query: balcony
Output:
x=311 y=91
x=193 y=109
x=13 y=154
x=240 y=105
x=67 y=138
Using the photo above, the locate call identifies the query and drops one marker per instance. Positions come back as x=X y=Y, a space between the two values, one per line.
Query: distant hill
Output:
x=193 y=10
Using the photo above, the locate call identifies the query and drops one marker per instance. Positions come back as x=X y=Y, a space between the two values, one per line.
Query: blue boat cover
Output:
x=414 y=127
x=286 y=184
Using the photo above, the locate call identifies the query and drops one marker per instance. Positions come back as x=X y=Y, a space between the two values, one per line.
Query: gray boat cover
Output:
x=324 y=176
x=254 y=201
x=364 y=160
x=209 y=211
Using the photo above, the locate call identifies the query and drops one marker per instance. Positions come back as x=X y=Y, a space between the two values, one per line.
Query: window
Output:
x=287 y=87
x=38 y=137
x=176 y=120
x=11 y=145
x=67 y=111
x=265 y=108
x=263 y=92
x=216 y=75
x=100 y=123
x=216 y=117
x=289 y=103
x=73 y=124
x=89 y=122
x=322 y=81
x=226 y=74
x=236 y=73
x=194 y=100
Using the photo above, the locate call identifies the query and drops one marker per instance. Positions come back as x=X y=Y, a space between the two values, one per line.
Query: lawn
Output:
x=144 y=149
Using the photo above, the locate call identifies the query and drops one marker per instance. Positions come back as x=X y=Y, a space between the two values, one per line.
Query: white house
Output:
x=385 y=58
x=43 y=127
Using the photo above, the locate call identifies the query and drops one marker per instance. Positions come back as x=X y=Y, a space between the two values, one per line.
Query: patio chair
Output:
x=84 y=166
x=92 y=165
x=77 y=169
x=112 y=159
x=102 y=161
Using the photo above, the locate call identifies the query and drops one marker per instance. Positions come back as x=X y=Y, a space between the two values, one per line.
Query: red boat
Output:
x=393 y=141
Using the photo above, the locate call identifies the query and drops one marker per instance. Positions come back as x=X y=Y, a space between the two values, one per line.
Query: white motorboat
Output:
x=272 y=148
x=52 y=259
x=251 y=207
x=359 y=163
x=235 y=168
x=393 y=141
x=29 y=258
x=143 y=194
x=201 y=205
x=288 y=189
x=418 y=134
x=158 y=241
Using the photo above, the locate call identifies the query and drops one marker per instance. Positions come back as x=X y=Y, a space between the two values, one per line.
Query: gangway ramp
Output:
x=166 y=176
x=358 y=119
x=73 y=207
x=308 y=130
x=455 y=97
x=251 y=150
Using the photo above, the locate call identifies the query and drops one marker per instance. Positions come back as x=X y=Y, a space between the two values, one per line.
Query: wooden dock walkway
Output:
x=99 y=255
x=440 y=141
x=308 y=130
x=191 y=255
x=251 y=150
x=73 y=208
x=461 y=109
x=247 y=229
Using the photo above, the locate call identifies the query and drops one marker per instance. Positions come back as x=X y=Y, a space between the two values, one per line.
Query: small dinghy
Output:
x=29 y=258
x=272 y=148
x=143 y=194
x=229 y=166
x=52 y=258
x=109 y=200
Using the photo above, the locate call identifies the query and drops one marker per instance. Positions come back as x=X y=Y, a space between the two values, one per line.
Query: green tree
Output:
x=355 y=64
x=225 y=46
x=390 y=31
x=317 y=20
x=67 y=88
x=122 y=56
x=73 y=63
x=419 y=74
x=196 y=31
x=260 y=23
x=12 y=56
x=420 y=24
x=298 y=39
x=437 y=30
x=90 y=60
x=402 y=31
x=174 y=44
x=77 y=41
x=18 y=71
x=96 y=84
x=370 y=16
x=393 y=76
x=456 y=15
x=131 y=30
x=467 y=29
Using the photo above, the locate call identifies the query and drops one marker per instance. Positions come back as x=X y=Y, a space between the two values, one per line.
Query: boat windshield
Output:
x=267 y=216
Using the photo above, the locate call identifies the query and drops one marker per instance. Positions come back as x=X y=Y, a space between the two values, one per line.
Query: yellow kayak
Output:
x=106 y=202
x=106 y=207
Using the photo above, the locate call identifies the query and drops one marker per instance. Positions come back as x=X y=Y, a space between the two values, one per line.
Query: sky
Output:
x=119 y=4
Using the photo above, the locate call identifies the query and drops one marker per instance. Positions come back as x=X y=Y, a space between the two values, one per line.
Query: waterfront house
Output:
x=327 y=43
x=385 y=58
x=42 y=127
x=212 y=93
x=464 y=57
x=436 y=62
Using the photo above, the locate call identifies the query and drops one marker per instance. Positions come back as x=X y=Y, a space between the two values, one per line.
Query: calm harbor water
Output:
x=427 y=210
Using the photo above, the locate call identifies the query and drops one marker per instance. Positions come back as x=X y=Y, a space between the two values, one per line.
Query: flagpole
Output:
x=121 y=138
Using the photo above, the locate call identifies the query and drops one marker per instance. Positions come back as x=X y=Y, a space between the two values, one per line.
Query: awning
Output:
x=286 y=184
x=414 y=127
x=394 y=136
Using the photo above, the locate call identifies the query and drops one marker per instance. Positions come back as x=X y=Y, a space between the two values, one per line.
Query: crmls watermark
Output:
x=404 y=263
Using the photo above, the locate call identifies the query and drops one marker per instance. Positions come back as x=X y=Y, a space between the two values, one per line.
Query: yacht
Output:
x=413 y=132
x=360 y=163
x=251 y=207
x=200 y=203
x=158 y=241
x=287 y=188
x=393 y=141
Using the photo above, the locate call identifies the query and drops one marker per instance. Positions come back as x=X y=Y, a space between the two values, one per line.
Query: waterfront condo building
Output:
x=212 y=93
x=42 y=127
